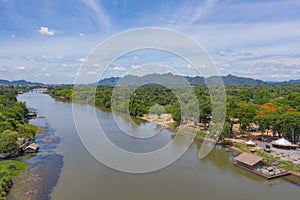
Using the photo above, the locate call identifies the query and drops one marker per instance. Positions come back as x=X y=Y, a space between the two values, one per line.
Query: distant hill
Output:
x=170 y=79
x=18 y=82
x=294 y=81
x=235 y=80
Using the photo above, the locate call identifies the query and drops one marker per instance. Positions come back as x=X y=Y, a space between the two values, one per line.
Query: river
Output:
x=83 y=177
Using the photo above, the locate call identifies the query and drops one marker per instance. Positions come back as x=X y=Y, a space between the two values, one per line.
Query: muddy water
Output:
x=83 y=177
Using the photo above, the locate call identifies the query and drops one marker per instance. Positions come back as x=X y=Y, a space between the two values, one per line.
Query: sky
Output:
x=48 y=41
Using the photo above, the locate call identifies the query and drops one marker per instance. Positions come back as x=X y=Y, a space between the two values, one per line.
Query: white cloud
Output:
x=135 y=58
x=96 y=65
x=20 y=68
x=42 y=59
x=12 y=35
x=280 y=75
x=135 y=66
x=48 y=75
x=81 y=34
x=46 y=31
x=232 y=53
x=189 y=66
x=201 y=10
x=64 y=65
x=119 y=68
x=99 y=11
x=82 y=60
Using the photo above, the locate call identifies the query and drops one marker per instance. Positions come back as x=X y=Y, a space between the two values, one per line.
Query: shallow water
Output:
x=83 y=177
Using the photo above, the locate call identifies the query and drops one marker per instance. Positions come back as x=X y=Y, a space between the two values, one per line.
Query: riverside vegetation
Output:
x=14 y=131
x=274 y=108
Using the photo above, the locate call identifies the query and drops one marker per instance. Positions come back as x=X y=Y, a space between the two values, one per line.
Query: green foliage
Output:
x=286 y=164
x=272 y=107
x=61 y=92
x=12 y=166
x=8 y=168
x=226 y=130
x=290 y=166
x=30 y=131
x=201 y=134
x=13 y=122
x=8 y=142
x=242 y=147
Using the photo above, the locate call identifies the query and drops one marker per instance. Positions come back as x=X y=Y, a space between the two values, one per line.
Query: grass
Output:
x=8 y=168
x=172 y=125
x=201 y=134
x=286 y=164
x=242 y=147
x=12 y=166
x=268 y=158
x=290 y=166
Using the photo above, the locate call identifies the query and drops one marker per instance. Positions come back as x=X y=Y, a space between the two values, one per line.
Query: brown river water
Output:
x=65 y=169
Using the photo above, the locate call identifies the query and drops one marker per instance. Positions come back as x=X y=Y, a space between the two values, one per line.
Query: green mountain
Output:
x=170 y=79
x=294 y=81
x=18 y=82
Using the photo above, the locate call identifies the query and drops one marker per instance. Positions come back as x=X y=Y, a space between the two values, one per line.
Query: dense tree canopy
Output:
x=275 y=108
x=13 y=122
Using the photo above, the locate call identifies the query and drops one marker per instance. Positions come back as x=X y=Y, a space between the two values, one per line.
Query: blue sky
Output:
x=47 y=41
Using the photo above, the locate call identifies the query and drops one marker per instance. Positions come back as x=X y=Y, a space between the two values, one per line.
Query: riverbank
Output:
x=37 y=180
x=9 y=169
x=236 y=146
x=168 y=123
x=83 y=177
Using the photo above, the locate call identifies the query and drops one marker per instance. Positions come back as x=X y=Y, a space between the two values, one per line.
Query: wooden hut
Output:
x=32 y=148
x=247 y=159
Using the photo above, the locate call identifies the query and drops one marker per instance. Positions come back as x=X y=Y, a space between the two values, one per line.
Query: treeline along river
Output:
x=83 y=177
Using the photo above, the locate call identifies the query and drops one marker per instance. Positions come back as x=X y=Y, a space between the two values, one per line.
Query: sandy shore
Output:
x=37 y=182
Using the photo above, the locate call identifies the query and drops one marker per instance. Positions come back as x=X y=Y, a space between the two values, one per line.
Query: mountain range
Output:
x=170 y=79
x=294 y=81
x=167 y=79
x=18 y=82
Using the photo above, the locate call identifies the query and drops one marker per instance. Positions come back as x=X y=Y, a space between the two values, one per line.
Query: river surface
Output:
x=83 y=177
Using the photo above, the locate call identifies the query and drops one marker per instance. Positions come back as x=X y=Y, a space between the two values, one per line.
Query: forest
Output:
x=274 y=108
x=14 y=130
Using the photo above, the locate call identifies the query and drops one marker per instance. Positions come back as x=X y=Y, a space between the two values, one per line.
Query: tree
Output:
x=157 y=109
x=268 y=117
x=8 y=141
x=291 y=121
x=226 y=130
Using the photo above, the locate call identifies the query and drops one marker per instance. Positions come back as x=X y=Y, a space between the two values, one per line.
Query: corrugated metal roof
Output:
x=33 y=146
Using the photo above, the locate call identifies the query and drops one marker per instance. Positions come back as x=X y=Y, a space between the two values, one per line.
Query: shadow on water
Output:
x=293 y=179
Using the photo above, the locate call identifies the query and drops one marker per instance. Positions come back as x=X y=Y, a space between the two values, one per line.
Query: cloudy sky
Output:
x=47 y=41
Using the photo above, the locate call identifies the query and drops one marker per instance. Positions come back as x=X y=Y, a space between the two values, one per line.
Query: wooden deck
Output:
x=263 y=174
